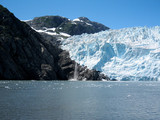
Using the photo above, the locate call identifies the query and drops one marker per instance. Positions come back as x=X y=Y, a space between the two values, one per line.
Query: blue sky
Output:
x=112 y=13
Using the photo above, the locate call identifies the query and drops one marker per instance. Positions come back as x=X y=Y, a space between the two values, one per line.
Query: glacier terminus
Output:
x=122 y=54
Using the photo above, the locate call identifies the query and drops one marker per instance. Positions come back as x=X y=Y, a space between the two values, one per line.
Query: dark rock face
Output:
x=25 y=54
x=68 y=67
x=47 y=21
x=75 y=27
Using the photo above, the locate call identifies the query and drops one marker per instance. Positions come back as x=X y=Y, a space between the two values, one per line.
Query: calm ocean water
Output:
x=66 y=100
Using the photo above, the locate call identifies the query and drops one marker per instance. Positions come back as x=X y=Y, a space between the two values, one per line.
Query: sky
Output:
x=115 y=14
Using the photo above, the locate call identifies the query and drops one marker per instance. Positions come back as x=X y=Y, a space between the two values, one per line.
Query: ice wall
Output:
x=124 y=54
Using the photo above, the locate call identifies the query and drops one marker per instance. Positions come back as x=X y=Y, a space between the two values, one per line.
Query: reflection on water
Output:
x=66 y=100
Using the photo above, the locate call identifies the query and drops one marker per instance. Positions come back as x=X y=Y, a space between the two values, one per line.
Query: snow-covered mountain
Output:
x=124 y=54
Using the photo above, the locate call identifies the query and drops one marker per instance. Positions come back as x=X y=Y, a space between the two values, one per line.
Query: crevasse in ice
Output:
x=123 y=54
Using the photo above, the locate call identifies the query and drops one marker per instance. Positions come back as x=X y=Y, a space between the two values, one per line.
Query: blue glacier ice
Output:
x=123 y=54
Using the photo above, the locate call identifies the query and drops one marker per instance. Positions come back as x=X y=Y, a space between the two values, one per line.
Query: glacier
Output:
x=123 y=54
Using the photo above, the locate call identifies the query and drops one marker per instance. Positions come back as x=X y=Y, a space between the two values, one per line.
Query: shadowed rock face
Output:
x=24 y=54
x=68 y=67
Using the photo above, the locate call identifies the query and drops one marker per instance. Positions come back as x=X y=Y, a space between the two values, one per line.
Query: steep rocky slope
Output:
x=25 y=54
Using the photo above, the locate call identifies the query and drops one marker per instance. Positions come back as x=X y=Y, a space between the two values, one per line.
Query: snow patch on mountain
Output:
x=65 y=34
x=52 y=31
x=77 y=19
x=89 y=24
x=124 y=54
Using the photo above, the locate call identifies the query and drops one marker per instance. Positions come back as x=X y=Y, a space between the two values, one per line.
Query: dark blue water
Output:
x=33 y=100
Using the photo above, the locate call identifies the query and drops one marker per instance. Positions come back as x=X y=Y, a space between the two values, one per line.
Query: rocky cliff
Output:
x=25 y=54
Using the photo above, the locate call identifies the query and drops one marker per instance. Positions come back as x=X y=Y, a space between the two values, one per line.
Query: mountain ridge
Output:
x=61 y=24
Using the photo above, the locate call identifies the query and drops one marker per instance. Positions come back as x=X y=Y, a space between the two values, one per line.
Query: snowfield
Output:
x=124 y=54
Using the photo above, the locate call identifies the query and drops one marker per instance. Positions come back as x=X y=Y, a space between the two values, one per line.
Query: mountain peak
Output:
x=64 y=25
x=7 y=17
x=85 y=19
x=47 y=21
x=82 y=19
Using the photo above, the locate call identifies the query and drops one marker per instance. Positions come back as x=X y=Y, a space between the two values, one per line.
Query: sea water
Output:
x=73 y=100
